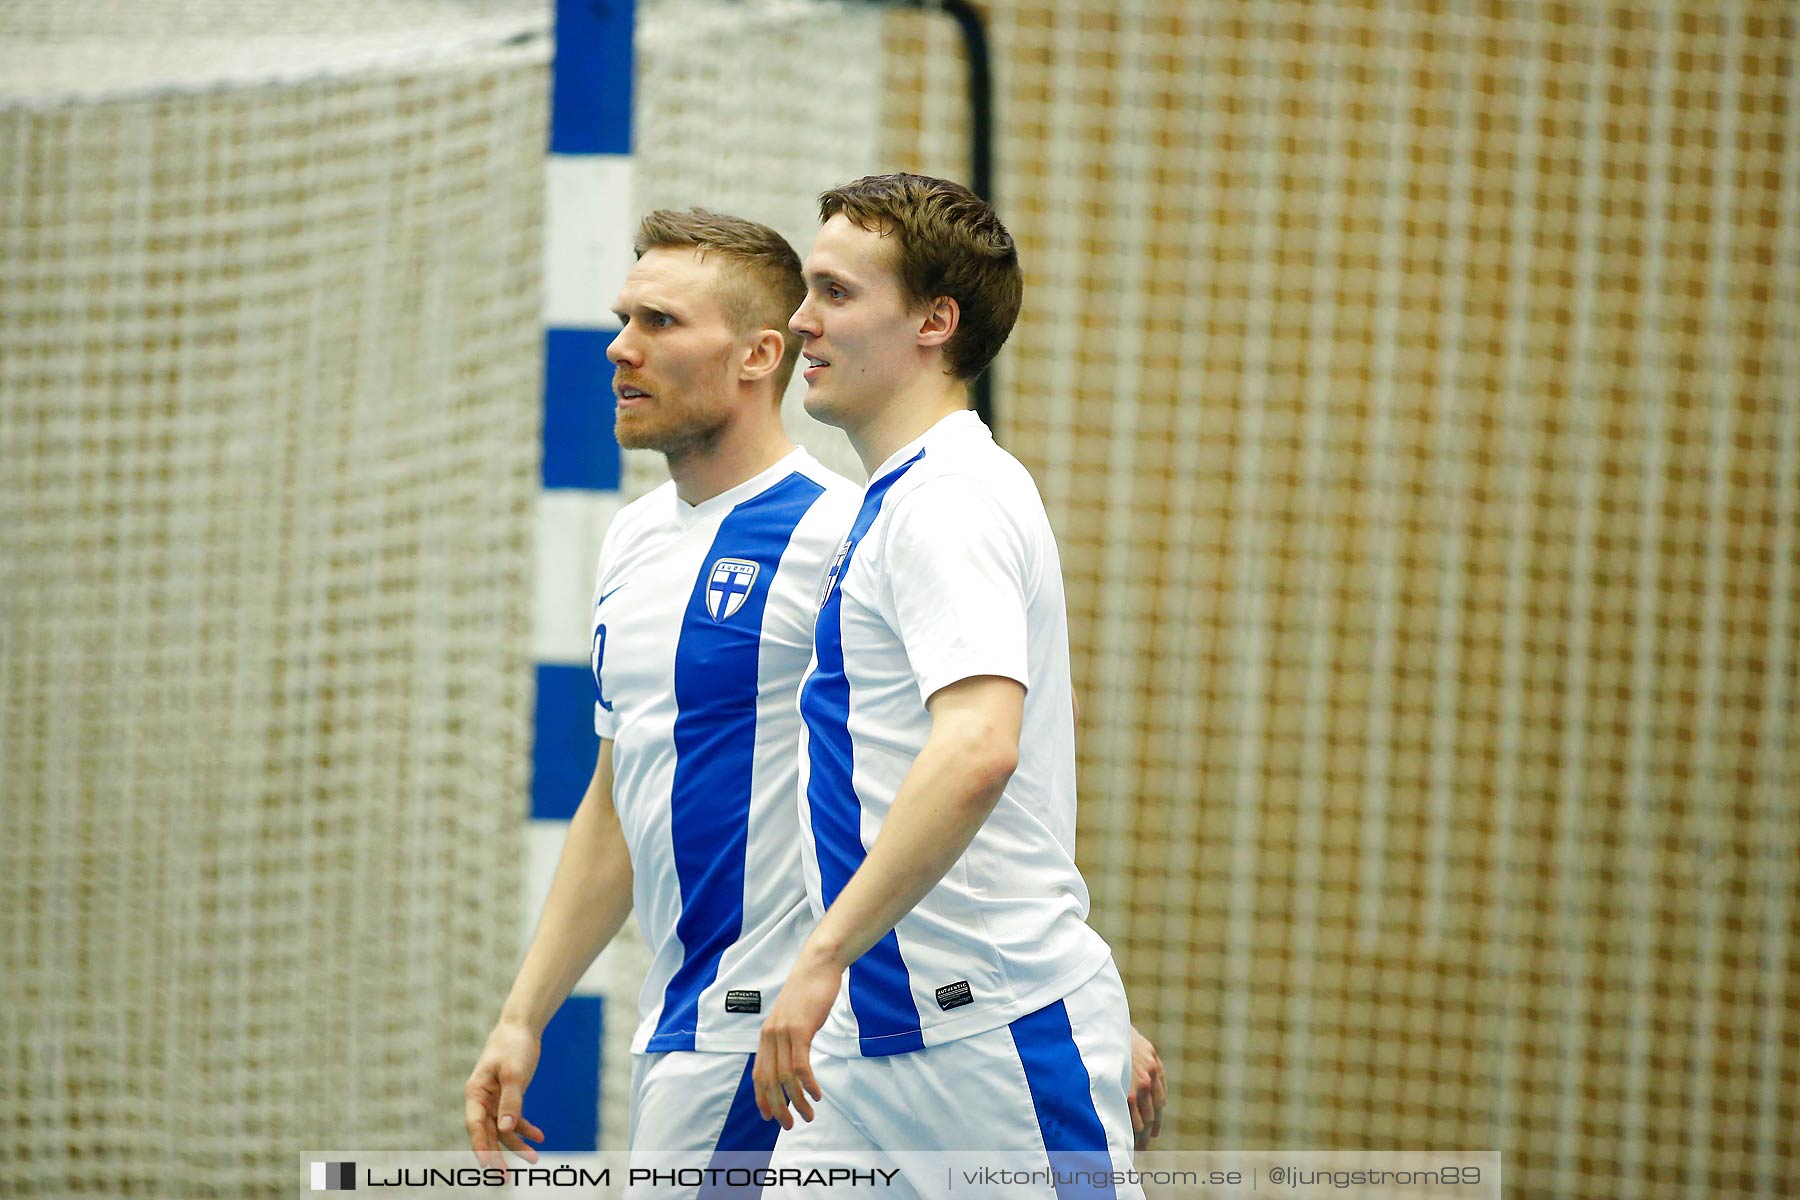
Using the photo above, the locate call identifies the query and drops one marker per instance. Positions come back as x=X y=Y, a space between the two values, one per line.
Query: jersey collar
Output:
x=953 y=425
x=692 y=514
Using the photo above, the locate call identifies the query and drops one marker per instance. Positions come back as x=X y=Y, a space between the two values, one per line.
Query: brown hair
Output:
x=761 y=284
x=947 y=242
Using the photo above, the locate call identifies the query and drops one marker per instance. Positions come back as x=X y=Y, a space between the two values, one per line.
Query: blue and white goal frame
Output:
x=588 y=234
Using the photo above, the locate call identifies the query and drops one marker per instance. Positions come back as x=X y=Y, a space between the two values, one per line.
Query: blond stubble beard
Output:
x=696 y=430
x=697 y=436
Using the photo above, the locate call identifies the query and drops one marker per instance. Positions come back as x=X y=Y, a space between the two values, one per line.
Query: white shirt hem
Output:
x=955 y=1029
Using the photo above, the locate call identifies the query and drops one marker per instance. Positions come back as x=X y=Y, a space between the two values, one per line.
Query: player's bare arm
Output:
x=951 y=788
x=590 y=897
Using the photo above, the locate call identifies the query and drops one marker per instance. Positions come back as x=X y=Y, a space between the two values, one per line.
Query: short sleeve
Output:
x=794 y=593
x=606 y=724
x=957 y=572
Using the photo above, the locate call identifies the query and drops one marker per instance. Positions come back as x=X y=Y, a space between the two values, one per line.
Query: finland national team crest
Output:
x=831 y=574
x=729 y=586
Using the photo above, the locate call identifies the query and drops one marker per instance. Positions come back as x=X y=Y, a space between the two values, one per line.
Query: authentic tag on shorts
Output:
x=955 y=995
x=745 y=1001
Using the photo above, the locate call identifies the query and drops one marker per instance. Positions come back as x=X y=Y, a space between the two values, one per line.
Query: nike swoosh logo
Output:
x=614 y=592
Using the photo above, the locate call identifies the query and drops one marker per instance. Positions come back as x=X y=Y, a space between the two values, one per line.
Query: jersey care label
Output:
x=955 y=995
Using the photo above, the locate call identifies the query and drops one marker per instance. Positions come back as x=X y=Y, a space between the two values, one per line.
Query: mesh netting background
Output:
x=1416 y=393
x=1415 y=389
x=269 y=360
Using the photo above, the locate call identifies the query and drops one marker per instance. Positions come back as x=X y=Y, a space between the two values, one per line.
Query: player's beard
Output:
x=676 y=428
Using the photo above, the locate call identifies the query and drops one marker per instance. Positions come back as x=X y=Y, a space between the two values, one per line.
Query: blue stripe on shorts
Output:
x=1058 y=1079
x=745 y=1144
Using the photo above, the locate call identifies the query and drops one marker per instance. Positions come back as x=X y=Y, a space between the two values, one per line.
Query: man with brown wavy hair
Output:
x=938 y=763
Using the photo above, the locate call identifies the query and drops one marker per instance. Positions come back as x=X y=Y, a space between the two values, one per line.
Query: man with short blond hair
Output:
x=702 y=625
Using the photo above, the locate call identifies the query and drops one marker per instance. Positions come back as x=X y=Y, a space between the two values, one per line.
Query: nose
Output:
x=623 y=350
x=804 y=321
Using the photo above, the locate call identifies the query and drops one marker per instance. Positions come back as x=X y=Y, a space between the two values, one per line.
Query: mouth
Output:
x=630 y=396
x=814 y=366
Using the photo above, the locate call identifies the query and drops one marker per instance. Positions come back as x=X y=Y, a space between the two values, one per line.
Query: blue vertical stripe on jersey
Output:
x=746 y=1142
x=1058 y=1081
x=887 y=1020
x=715 y=747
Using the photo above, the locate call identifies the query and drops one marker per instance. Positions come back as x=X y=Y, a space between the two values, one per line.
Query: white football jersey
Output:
x=949 y=571
x=702 y=627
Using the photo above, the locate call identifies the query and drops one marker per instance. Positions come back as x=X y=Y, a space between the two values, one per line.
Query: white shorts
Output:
x=1043 y=1094
x=693 y=1109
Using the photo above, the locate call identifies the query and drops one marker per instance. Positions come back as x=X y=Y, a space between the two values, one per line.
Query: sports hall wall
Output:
x=1415 y=389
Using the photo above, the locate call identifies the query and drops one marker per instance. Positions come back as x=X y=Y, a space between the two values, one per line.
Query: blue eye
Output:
x=835 y=292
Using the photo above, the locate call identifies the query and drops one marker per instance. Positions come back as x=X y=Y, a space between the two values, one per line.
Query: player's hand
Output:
x=495 y=1094
x=1149 y=1089
x=783 y=1073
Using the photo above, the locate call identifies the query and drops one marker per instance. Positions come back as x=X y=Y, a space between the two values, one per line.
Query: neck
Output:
x=925 y=402
x=742 y=450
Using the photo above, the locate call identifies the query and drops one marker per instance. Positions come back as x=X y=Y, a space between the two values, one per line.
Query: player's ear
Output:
x=940 y=321
x=762 y=355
